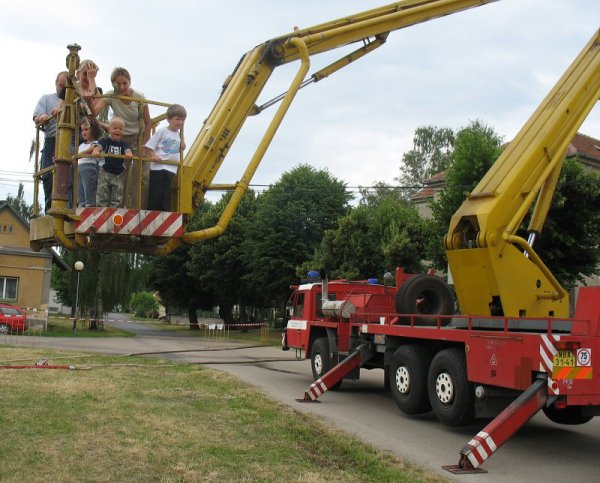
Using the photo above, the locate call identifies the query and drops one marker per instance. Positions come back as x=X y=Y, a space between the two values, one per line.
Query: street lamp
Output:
x=78 y=266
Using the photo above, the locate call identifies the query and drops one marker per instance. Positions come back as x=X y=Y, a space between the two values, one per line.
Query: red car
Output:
x=12 y=320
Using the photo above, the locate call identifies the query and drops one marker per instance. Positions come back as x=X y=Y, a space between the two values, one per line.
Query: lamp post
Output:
x=78 y=266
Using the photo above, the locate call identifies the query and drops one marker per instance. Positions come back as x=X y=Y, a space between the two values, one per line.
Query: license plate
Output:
x=564 y=359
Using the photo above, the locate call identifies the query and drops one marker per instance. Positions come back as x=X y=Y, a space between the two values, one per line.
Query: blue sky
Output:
x=494 y=63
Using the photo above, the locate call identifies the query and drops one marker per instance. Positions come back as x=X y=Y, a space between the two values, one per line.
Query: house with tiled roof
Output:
x=587 y=151
x=430 y=192
x=585 y=148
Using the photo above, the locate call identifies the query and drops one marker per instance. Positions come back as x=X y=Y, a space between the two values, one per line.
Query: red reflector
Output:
x=566 y=345
x=118 y=219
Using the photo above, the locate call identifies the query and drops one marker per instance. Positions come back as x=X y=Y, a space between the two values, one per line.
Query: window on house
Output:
x=9 y=288
x=8 y=228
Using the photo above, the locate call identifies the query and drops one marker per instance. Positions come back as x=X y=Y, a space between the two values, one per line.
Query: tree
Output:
x=377 y=236
x=19 y=204
x=168 y=275
x=476 y=148
x=143 y=304
x=121 y=275
x=568 y=244
x=290 y=220
x=431 y=153
x=215 y=264
x=171 y=278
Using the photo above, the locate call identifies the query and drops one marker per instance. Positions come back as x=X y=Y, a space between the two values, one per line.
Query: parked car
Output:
x=12 y=319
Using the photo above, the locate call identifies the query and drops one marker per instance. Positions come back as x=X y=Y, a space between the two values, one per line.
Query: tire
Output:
x=571 y=415
x=4 y=329
x=427 y=295
x=451 y=395
x=408 y=378
x=321 y=360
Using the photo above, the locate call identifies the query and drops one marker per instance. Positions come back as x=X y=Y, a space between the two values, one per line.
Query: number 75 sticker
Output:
x=584 y=357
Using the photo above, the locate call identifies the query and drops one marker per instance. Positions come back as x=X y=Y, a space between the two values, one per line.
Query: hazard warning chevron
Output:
x=123 y=221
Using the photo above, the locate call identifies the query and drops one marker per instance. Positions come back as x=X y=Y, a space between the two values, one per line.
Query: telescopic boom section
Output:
x=238 y=100
x=496 y=271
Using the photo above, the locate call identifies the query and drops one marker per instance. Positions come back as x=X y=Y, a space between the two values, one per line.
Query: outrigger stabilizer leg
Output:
x=362 y=354
x=501 y=428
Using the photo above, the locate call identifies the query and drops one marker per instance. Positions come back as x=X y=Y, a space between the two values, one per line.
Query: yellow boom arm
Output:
x=495 y=271
x=238 y=99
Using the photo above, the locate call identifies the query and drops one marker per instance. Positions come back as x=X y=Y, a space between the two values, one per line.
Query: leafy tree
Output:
x=476 y=148
x=19 y=204
x=377 y=236
x=377 y=192
x=215 y=264
x=177 y=288
x=431 y=154
x=290 y=220
x=121 y=274
x=568 y=244
x=169 y=276
x=143 y=304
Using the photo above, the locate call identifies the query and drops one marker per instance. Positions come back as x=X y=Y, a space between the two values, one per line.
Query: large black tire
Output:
x=451 y=395
x=571 y=415
x=4 y=329
x=321 y=360
x=408 y=378
x=427 y=295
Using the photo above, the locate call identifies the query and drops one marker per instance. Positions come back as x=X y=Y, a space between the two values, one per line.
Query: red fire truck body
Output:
x=462 y=367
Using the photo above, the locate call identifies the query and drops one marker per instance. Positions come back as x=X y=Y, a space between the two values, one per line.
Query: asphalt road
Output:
x=541 y=451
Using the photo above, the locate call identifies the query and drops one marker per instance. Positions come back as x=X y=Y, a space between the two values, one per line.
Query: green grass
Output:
x=59 y=327
x=62 y=327
x=271 y=337
x=138 y=419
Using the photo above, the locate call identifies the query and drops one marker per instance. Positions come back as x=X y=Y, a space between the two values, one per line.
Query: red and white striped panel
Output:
x=480 y=448
x=316 y=389
x=161 y=223
x=547 y=352
x=123 y=221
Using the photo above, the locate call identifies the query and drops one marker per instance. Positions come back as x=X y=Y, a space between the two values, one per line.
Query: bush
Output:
x=143 y=304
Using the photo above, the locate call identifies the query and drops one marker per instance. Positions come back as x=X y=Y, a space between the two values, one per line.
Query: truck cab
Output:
x=319 y=311
x=325 y=317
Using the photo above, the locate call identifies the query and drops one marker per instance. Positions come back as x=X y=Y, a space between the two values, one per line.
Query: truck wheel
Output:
x=451 y=395
x=4 y=328
x=408 y=378
x=571 y=415
x=320 y=360
x=428 y=295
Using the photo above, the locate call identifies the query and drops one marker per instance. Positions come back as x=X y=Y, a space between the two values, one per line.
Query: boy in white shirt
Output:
x=166 y=144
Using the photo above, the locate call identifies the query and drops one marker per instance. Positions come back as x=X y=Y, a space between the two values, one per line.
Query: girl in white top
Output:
x=87 y=168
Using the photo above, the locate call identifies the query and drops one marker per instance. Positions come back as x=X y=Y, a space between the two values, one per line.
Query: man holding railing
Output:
x=44 y=116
